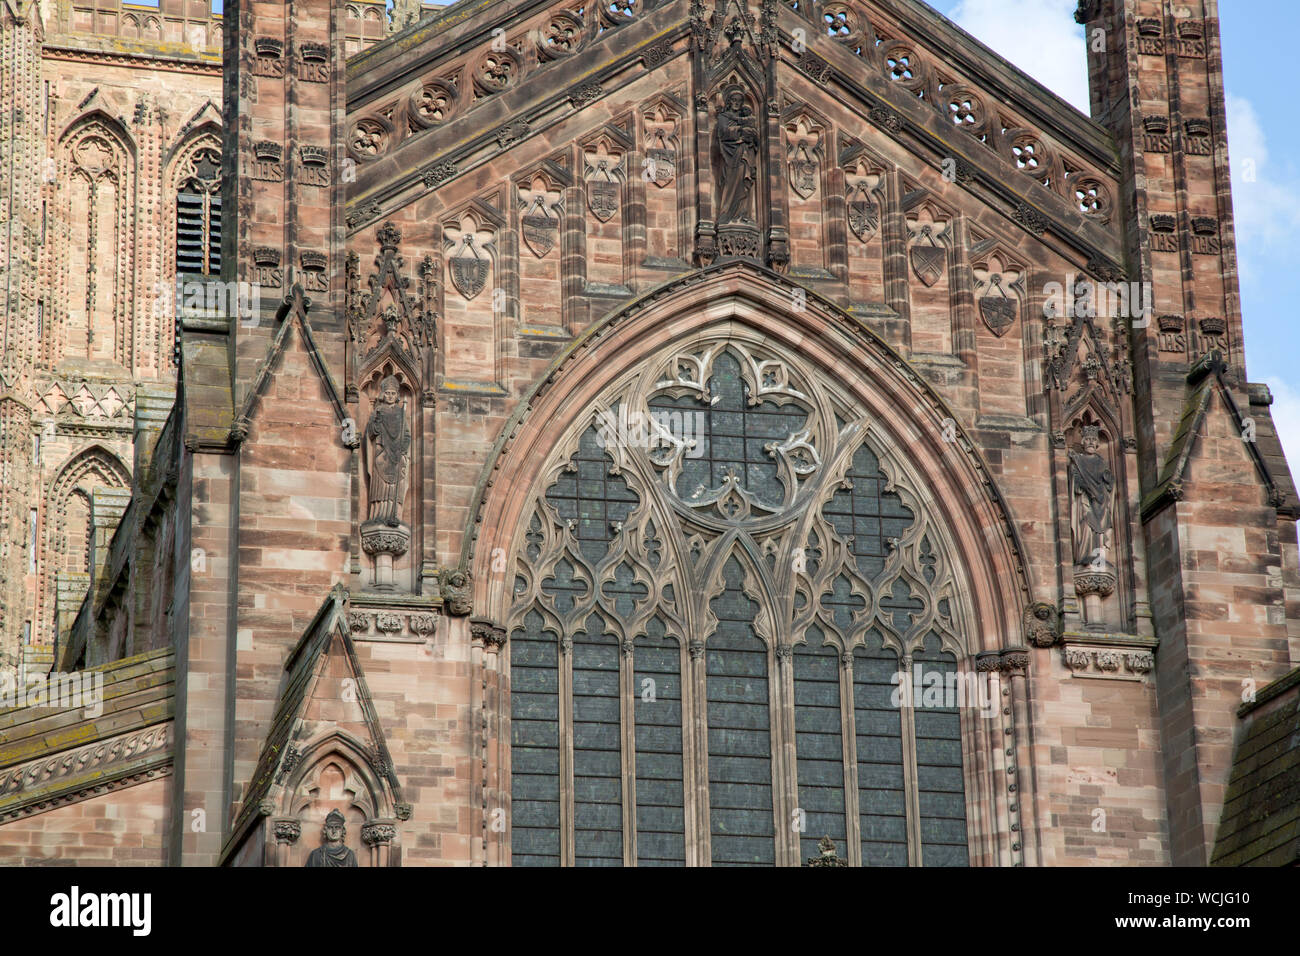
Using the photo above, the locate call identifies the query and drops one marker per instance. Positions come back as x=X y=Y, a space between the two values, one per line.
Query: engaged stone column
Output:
x=286 y=831
x=378 y=836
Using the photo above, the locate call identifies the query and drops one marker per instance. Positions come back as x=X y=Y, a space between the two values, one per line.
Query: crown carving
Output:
x=314 y=261
x=268 y=151
x=389 y=236
x=1149 y=27
x=313 y=155
x=1213 y=325
x=1156 y=124
x=1163 y=222
x=1197 y=127
x=1205 y=225
x=1191 y=29
x=314 y=52
x=1170 y=323
x=266 y=256
x=268 y=47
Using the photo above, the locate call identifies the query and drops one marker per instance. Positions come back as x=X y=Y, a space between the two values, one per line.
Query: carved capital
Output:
x=286 y=831
x=492 y=638
x=373 y=834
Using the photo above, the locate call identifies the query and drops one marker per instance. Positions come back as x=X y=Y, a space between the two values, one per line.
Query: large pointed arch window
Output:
x=724 y=591
x=198 y=216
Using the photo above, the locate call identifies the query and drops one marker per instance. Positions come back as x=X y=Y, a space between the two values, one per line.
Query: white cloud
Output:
x=1266 y=216
x=1286 y=417
x=1038 y=36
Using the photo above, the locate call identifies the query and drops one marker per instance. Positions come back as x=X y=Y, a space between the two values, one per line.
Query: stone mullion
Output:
x=907 y=724
x=777 y=243
x=690 y=817
x=627 y=725
x=427 y=471
x=849 y=736
x=964 y=335
x=785 y=785
x=894 y=244
x=567 y=844
x=633 y=213
x=505 y=276
x=836 y=233
x=573 y=260
x=706 y=228
x=699 y=732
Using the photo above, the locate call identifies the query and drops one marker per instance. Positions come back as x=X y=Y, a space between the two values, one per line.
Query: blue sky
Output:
x=1041 y=37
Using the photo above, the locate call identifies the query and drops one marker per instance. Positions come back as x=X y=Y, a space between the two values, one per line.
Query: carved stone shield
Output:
x=864 y=217
x=540 y=233
x=927 y=262
x=469 y=275
x=661 y=165
x=803 y=177
x=999 y=313
x=602 y=197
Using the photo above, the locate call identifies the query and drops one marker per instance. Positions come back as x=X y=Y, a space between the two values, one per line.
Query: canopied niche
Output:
x=391 y=349
x=337 y=811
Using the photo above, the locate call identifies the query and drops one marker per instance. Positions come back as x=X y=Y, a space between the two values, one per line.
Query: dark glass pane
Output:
x=534 y=745
x=819 y=747
x=597 y=766
x=940 y=788
x=867 y=513
x=593 y=499
x=878 y=724
x=660 y=820
x=740 y=747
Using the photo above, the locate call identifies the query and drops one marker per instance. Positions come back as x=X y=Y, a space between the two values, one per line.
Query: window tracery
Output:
x=735 y=526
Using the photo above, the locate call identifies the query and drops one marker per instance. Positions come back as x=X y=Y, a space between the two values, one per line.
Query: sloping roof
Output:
x=1260 y=825
x=1204 y=380
x=50 y=756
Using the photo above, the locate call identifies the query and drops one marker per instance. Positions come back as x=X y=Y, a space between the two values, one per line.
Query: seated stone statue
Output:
x=331 y=851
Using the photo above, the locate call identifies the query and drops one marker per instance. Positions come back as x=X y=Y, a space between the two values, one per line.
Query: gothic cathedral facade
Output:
x=662 y=432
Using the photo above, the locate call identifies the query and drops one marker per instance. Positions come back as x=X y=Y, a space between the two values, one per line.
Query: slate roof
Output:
x=1260 y=825
x=50 y=755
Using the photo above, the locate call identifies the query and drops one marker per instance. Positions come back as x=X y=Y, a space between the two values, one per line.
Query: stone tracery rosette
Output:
x=692 y=511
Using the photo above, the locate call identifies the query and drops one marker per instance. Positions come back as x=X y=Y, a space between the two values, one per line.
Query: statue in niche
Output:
x=1092 y=496
x=331 y=851
x=737 y=138
x=388 y=447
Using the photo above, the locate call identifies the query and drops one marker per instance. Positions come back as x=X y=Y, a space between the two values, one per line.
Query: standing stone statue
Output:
x=331 y=851
x=737 y=138
x=388 y=455
x=1092 y=497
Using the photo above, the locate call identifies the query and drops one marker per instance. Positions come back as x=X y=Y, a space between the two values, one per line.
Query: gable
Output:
x=475 y=83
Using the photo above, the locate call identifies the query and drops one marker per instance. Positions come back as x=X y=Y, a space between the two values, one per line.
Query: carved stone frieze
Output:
x=391 y=622
x=1108 y=657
